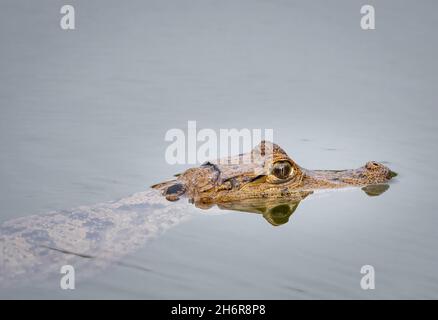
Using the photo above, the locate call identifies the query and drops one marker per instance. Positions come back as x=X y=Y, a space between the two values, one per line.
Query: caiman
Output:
x=265 y=180
x=266 y=174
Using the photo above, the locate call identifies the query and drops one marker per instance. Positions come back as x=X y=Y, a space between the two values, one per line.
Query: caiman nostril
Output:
x=372 y=165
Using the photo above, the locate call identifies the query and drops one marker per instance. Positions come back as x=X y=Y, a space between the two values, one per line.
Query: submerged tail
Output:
x=88 y=238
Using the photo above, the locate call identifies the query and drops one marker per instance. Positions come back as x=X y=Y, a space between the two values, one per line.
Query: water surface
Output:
x=84 y=114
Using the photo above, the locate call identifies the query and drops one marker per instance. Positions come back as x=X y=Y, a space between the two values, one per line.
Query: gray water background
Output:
x=84 y=114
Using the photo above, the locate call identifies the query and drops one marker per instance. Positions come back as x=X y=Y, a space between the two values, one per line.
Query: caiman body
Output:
x=265 y=181
x=266 y=174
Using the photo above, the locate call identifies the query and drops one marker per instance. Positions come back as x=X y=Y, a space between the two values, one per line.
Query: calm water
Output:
x=84 y=114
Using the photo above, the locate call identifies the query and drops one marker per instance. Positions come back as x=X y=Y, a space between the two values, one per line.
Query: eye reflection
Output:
x=282 y=169
x=276 y=212
x=280 y=214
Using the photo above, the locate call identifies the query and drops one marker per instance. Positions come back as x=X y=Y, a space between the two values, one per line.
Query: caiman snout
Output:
x=265 y=175
x=377 y=168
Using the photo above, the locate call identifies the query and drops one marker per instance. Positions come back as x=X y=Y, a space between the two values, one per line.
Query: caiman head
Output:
x=265 y=175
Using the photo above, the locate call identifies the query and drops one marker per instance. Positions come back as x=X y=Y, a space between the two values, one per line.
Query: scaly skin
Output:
x=92 y=237
x=250 y=177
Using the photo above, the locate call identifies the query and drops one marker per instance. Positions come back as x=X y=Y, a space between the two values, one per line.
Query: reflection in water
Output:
x=278 y=211
x=94 y=237
x=375 y=190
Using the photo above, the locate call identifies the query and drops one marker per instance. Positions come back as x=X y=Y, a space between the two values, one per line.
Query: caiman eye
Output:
x=282 y=169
